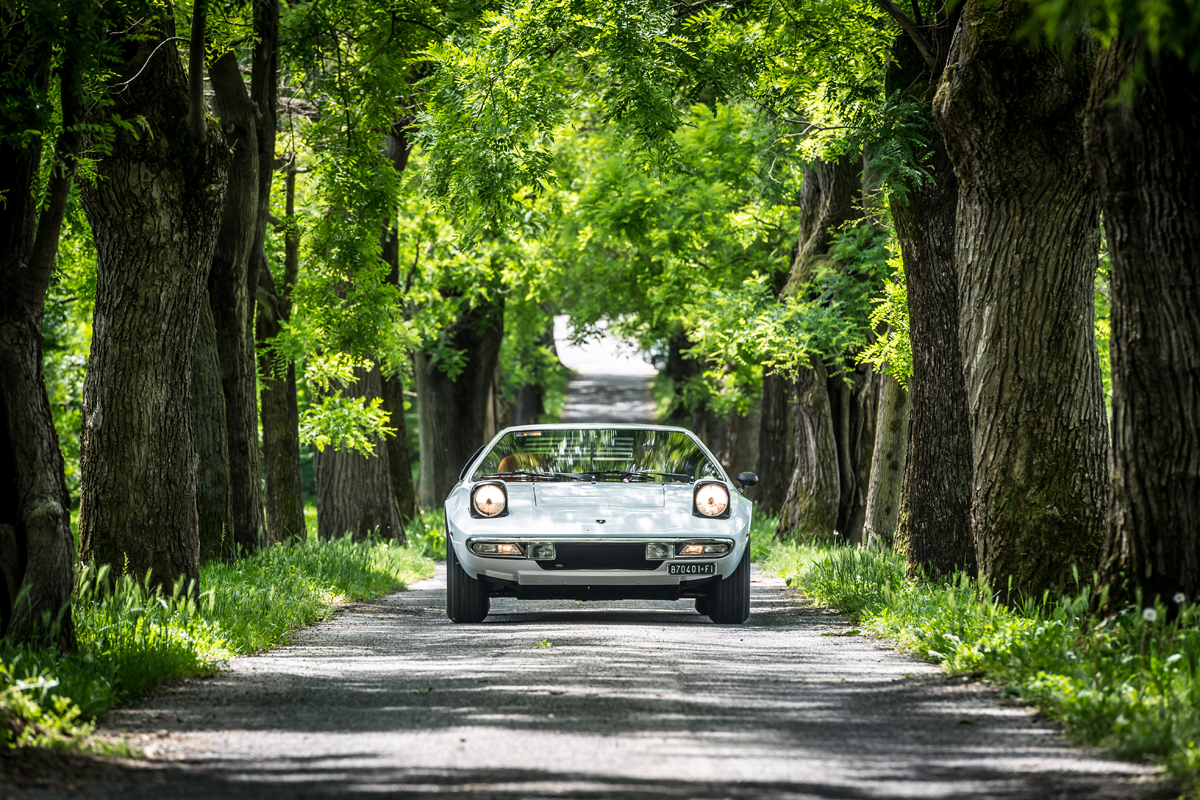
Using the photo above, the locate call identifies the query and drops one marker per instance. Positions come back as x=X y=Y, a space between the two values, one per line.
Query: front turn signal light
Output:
x=701 y=549
x=496 y=549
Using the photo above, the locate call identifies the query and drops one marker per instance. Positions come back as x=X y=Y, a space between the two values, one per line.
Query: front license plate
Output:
x=691 y=569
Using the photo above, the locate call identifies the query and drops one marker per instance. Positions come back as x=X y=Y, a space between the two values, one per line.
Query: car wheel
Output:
x=729 y=602
x=702 y=604
x=466 y=598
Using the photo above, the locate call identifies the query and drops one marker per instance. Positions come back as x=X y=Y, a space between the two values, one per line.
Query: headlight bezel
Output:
x=475 y=512
x=725 y=513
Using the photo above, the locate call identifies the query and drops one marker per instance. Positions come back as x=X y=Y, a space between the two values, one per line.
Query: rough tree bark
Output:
x=528 y=404
x=853 y=399
x=283 y=499
x=213 y=507
x=154 y=213
x=933 y=525
x=811 y=505
x=37 y=551
x=529 y=400
x=732 y=437
x=1147 y=167
x=1026 y=243
x=776 y=446
x=399 y=462
x=354 y=493
x=397 y=147
x=828 y=197
x=452 y=412
x=357 y=494
x=232 y=285
x=499 y=412
x=887 y=464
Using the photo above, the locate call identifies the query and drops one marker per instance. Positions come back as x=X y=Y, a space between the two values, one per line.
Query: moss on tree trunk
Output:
x=1027 y=239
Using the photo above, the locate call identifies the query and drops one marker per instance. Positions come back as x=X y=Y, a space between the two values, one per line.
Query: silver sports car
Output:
x=594 y=512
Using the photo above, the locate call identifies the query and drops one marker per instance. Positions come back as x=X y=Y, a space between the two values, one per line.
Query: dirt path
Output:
x=611 y=382
x=622 y=699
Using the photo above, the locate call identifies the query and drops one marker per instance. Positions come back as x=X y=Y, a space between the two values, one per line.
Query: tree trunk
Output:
x=500 y=412
x=37 y=551
x=528 y=404
x=232 y=284
x=811 y=506
x=887 y=464
x=283 y=498
x=933 y=526
x=1147 y=166
x=776 y=446
x=853 y=399
x=154 y=212
x=452 y=412
x=399 y=463
x=213 y=506
x=397 y=147
x=1026 y=243
x=354 y=493
x=742 y=454
x=828 y=197
x=713 y=430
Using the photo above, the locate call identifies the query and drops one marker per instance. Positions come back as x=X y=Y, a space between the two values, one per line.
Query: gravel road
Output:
x=618 y=699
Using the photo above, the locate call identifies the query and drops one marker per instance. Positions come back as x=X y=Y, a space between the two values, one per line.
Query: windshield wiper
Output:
x=679 y=476
x=529 y=473
x=634 y=475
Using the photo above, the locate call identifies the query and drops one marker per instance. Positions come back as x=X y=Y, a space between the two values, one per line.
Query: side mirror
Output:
x=747 y=479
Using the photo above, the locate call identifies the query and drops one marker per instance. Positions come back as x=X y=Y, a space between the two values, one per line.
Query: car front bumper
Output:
x=524 y=577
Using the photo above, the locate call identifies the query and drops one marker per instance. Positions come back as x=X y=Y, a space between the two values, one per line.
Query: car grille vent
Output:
x=599 y=555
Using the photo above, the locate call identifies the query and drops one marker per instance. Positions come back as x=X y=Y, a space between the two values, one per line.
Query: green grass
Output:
x=762 y=529
x=666 y=404
x=1130 y=683
x=131 y=640
x=427 y=534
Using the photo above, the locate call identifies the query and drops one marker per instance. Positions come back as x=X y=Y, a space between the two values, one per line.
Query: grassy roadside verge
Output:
x=131 y=641
x=1129 y=684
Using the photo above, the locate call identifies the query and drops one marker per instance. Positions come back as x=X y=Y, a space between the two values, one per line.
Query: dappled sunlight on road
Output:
x=611 y=699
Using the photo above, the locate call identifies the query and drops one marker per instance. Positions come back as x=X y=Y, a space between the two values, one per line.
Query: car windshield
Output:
x=597 y=454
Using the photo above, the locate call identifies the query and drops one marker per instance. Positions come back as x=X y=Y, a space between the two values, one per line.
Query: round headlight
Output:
x=489 y=500
x=712 y=499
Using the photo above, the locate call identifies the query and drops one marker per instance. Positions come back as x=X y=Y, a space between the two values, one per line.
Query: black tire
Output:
x=729 y=602
x=466 y=598
x=702 y=604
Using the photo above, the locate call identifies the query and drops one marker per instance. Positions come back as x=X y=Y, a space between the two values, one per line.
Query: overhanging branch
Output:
x=197 y=123
x=913 y=31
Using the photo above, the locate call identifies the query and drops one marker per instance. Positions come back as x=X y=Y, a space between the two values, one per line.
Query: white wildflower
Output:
x=1179 y=598
x=1149 y=614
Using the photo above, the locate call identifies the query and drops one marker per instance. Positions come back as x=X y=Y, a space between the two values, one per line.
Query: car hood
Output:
x=620 y=496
